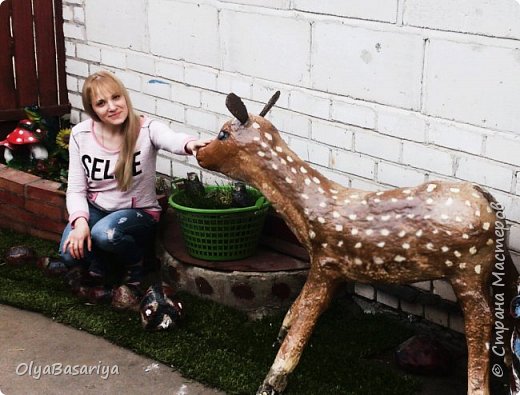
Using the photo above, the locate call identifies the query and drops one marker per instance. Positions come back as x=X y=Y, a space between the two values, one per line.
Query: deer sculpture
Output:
x=431 y=231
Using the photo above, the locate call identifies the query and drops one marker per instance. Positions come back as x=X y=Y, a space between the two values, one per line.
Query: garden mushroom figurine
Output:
x=26 y=133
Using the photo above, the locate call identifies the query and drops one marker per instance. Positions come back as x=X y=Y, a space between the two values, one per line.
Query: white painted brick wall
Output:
x=374 y=94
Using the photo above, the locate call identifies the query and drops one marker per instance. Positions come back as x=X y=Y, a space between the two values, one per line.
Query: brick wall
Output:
x=31 y=205
x=375 y=94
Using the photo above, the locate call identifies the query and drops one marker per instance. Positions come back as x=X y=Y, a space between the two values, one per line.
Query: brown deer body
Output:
x=435 y=230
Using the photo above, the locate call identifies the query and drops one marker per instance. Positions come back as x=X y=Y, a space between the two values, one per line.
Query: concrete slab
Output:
x=40 y=356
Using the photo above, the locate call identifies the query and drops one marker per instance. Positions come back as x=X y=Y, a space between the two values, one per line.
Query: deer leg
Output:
x=473 y=295
x=287 y=321
x=299 y=323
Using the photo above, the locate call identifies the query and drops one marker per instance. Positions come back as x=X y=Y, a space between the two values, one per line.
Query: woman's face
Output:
x=110 y=106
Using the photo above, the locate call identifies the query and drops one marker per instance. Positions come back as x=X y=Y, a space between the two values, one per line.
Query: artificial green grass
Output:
x=219 y=346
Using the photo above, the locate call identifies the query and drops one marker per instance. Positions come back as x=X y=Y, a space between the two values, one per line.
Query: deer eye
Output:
x=223 y=135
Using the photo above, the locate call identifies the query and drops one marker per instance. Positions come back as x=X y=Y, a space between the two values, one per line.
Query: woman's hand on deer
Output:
x=193 y=146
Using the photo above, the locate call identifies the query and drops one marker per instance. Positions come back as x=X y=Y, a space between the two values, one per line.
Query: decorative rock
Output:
x=20 y=255
x=423 y=354
x=158 y=311
x=126 y=297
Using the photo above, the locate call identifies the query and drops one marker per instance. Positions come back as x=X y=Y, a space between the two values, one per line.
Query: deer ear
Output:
x=272 y=101
x=237 y=107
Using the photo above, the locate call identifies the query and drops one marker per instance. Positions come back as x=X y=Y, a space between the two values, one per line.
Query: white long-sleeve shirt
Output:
x=91 y=169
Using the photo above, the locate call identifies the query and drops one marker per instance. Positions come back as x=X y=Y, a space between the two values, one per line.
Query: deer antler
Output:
x=272 y=101
x=236 y=106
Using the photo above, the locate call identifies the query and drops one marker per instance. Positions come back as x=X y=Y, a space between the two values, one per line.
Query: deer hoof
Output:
x=266 y=389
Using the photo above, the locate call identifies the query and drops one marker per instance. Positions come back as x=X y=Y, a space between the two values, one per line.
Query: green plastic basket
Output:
x=221 y=234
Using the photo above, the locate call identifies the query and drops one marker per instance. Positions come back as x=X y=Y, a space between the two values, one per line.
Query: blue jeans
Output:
x=123 y=233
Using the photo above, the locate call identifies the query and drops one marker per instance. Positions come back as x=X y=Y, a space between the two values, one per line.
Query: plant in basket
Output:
x=219 y=223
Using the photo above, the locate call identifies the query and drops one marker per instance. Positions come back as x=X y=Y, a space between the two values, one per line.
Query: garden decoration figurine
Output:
x=158 y=310
x=27 y=133
x=436 y=230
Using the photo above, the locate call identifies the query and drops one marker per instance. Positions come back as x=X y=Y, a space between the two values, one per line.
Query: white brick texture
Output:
x=363 y=9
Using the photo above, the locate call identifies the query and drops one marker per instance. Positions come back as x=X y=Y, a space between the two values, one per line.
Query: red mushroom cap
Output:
x=23 y=134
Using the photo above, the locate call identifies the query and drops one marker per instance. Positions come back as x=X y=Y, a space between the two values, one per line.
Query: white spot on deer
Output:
x=478 y=268
x=471 y=226
x=283 y=161
x=307 y=181
x=256 y=138
x=477 y=213
x=354 y=196
x=306 y=211
x=324 y=245
x=435 y=231
x=293 y=170
x=379 y=193
x=335 y=214
x=419 y=233
x=278 y=149
x=394 y=200
x=399 y=258
x=122 y=220
x=333 y=191
x=427 y=216
x=448 y=232
x=352 y=217
x=340 y=243
x=490 y=242
x=303 y=170
x=274 y=166
x=475 y=195
x=316 y=180
x=305 y=196
x=385 y=218
x=410 y=198
x=256 y=125
x=473 y=250
x=358 y=261
x=339 y=228
x=369 y=232
x=406 y=246
x=485 y=225
x=444 y=216
x=448 y=263
x=321 y=220
x=274 y=153
x=455 y=190
x=489 y=209
x=410 y=216
x=381 y=244
x=268 y=136
x=402 y=233
x=457 y=254
x=465 y=236
x=397 y=216
x=323 y=204
x=406 y=191
x=354 y=231
x=370 y=217
x=445 y=248
x=430 y=246
x=429 y=201
x=312 y=234
x=458 y=219
x=346 y=201
x=261 y=154
x=263 y=145
x=358 y=245
x=449 y=202
x=431 y=187
x=289 y=159
x=288 y=180
x=462 y=265
x=376 y=200
x=320 y=190
x=378 y=260
x=384 y=232
x=110 y=234
x=467 y=203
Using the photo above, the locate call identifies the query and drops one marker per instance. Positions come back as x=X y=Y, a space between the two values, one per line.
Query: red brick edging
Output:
x=31 y=205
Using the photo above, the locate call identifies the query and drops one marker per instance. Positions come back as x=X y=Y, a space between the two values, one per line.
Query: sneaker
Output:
x=97 y=270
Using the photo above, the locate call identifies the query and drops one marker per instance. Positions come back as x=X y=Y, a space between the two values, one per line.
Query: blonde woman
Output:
x=111 y=196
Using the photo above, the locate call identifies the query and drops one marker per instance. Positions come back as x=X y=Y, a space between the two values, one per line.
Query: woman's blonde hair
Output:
x=104 y=81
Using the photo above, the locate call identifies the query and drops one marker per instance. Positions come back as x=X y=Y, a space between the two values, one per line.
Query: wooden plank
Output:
x=47 y=111
x=60 y=52
x=7 y=92
x=45 y=52
x=25 y=62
